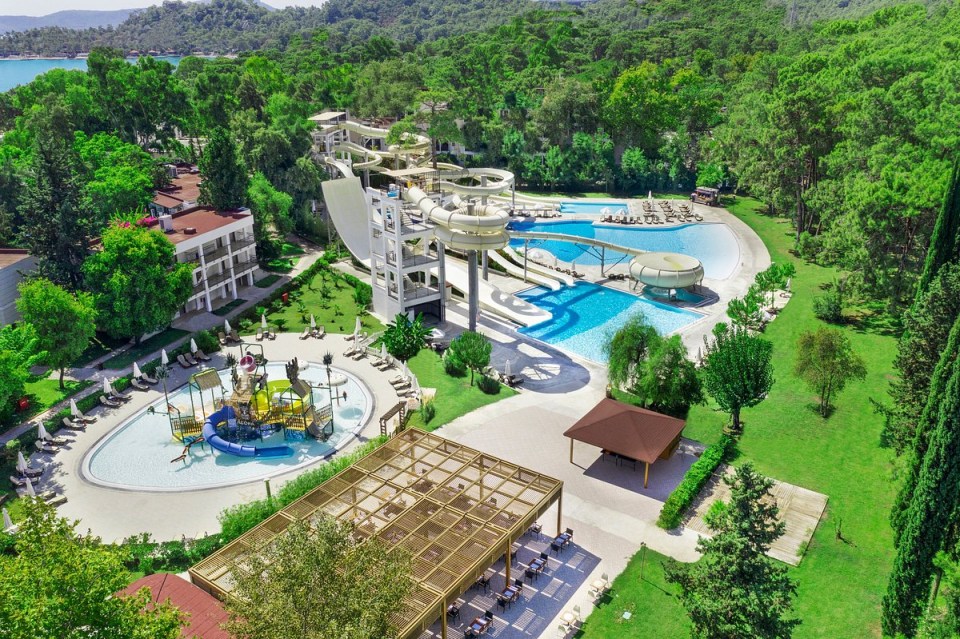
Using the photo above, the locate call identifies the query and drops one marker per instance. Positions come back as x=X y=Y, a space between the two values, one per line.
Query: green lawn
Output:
x=654 y=612
x=840 y=583
x=337 y=313
x=455 y=396
x=43 y=393
x=144 y=348
x=267 y=282
x=280 y=264
x=224 y=310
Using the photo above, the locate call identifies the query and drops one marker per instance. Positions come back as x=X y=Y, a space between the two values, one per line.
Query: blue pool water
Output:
x=592 y=208
x=713 y=244
x=586 y=315
x=17 y=72
x=137 y=454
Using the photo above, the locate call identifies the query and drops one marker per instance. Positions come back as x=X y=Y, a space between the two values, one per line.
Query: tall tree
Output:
x=135 y=280
x=316 y=581
x=271 y=215
x=225 y=180
x=55 y=227
x=735 y=590
x=65 y=323
x=946 y=233
x=737 y=370
x=473 y=349
x=930 y=520
x=626 y=351
x=826 y=361
x=63 y=584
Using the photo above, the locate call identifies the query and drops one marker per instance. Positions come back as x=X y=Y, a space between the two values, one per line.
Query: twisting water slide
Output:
x=468 y=226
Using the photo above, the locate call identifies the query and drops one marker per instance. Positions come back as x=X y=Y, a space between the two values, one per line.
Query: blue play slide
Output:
x=227 y=414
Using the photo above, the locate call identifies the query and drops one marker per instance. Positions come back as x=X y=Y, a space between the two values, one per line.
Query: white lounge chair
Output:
x=140 y=386
x=306 y=332
x=109 y=403
x=200 y=355
x=45 y=447
x=72 y=425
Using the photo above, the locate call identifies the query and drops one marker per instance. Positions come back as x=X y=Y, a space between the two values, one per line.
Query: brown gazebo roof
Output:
x=628 y=430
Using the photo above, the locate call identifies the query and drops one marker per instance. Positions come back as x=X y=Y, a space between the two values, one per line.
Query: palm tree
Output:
x=327 y=362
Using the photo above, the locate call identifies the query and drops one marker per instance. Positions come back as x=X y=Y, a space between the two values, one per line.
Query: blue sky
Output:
x=43 y=7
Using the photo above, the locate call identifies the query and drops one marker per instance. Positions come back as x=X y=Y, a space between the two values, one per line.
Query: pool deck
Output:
x=114 y=514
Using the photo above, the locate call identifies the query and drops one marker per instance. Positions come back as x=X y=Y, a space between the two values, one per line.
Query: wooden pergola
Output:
x=456 y=510
x=629 y=431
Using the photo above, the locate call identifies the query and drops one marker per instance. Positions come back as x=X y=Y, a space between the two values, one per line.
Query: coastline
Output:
x=84 y=56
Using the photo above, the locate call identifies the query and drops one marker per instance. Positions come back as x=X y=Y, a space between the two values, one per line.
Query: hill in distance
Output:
x=65 y=19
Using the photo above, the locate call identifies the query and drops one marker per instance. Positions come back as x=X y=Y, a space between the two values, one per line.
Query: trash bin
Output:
x=286 y=298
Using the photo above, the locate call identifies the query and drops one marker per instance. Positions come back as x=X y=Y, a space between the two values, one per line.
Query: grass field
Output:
x=840 y=582
x=455 y=396
x=144 y=348
x=336 y=313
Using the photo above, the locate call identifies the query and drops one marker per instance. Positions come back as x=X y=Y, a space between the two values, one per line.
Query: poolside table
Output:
x=509 y=595
x=478 y=626
x=536 y=567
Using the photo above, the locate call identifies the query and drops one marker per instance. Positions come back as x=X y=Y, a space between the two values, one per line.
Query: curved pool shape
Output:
x=586 y=315
x=136 y=455
x=714 y=245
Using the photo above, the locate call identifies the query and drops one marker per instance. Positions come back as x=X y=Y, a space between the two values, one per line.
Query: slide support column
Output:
x=474 y=290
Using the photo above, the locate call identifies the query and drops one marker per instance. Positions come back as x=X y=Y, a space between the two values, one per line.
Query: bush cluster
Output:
x=683 y=495
x=142 y=554
x=452 y=365
x=488 y=385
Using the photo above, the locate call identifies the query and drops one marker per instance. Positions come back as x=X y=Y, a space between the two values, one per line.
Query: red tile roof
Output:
x=9 y=257
x=206 y=612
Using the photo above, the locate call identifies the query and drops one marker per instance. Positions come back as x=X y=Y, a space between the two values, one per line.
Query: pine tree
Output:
x=225 y=179
x=943 y=241
x=928 y=419
x=929 y=518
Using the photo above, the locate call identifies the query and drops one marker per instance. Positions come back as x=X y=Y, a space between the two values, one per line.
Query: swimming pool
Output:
x=593 y=208
x=586 y=315
x=137 y=454
x=713 y=244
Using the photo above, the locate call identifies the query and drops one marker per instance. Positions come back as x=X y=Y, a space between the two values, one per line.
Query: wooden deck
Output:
x=800 y=508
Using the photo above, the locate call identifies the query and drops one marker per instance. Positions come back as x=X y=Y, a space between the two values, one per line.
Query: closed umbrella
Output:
x=30 y=491
x=21 y=463
x=137 y=373
x=263 y=322
x=406 y=371
x=164 y=358
x=107 y=389
x=73 y=404
x=193 y=346
x=313 y=321
x=383 y=350
x=573 y=266
x=357 y=327
x=410 y=316
x=7 y=522
x=650 y=196
x=43 y=434
x=507 y=369
x=556 y=262
x=226 y=327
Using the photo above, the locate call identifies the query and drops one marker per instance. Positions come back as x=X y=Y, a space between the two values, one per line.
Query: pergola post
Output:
x=507 y=559
x=646 y=473
x=560 y=510
x=571 y=450
x=443 y=619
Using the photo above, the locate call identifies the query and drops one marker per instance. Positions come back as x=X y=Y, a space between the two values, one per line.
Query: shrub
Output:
x=207 y=341
x=829 y=306
x=683 y=495
x=10 y=449
x=453 y=366
x=427 y=412
x=488 y=385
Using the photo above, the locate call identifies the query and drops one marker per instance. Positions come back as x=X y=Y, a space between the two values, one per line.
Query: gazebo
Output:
x=628 y=431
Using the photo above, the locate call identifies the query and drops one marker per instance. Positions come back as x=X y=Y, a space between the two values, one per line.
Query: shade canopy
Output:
x=22 y=465
x=137 y=373
x=107 y=389
x=627 y=430
x=74 y=411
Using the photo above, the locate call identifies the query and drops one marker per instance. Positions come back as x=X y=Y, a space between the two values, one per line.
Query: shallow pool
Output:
x=593 y=208
x=713 y=244
x=138 y=453
x=586 y=315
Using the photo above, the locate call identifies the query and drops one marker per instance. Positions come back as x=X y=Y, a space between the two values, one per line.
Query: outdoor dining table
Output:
x=510 y=594
x=536 y=566
x=479 y=625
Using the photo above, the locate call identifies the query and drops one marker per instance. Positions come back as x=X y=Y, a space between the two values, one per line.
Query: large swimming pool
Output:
x=137 y=454
x=586 y=315
x=713 y=244
x=593 y=208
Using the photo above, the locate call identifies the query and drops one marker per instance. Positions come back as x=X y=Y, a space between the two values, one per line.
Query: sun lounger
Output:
x=222 y=338
x=45 y=447
x=32 y=473
x=140 y=386
x=72 y=425
x=18 y=482
x=109 y=403
x=259 y=334
x=200 y=355
x=306 y=332
x=55 y=500
x=148 y=380
x=120 y=397
x=359 y=354
x=86 y=419
x=270 y=335
x=235 y=337
x=183 y=361
x=190 y=360
x=319 y=332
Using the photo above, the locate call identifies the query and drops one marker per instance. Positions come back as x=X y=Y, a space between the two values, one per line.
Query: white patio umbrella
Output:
x=313 y=321
x=263 y=322
x=410 y=315
x=573 y=266
x=507 y=369
x=357 y=327
x=226 y=327
x=164 y=358
x=650 y=196
x=73 y=404
x=406 y=372
x=30 y=491
x=137 y=373
x=7 y=522
x=43 y=434
x=193 y=346
x=21 y=463
x=383 y=351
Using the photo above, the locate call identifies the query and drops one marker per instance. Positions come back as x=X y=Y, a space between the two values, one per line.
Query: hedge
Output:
x=683 y=495
x=236 y=520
